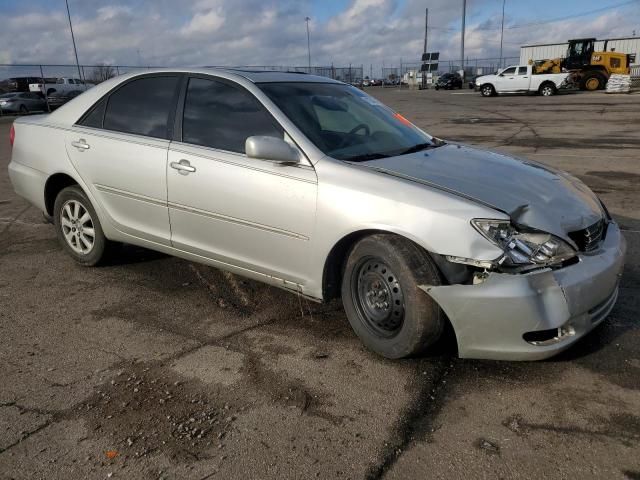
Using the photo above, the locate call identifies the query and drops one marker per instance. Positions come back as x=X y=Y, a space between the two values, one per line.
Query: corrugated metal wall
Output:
x=559 y=50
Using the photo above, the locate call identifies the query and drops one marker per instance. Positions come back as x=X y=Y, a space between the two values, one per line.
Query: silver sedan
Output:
x=22 y=102
x=312 y=185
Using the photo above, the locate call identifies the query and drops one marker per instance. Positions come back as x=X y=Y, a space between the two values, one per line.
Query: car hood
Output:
x=532 y=194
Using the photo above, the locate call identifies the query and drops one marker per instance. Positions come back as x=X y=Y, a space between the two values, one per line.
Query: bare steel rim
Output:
x=77 y=227
x=377 y=295
x=547 y=90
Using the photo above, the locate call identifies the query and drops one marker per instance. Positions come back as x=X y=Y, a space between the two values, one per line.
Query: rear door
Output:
x=119 y=148
x=522 y=79
x=250 y=213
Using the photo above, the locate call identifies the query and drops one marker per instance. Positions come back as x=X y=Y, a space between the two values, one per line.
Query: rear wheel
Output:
x=383 y=303
x=24 y=109
x=487 y=90
x=593 y=81
x=547 y=89
x=78 y=227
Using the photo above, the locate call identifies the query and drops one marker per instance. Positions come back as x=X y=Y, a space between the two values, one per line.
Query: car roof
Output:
x=69 y=113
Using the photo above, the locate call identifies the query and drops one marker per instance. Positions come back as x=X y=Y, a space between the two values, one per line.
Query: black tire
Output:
x=487 y=90
x=437 y=87
x=411 y=321
x=24 y=109
x=592 y=81
x=97 y=252
x=547 y=89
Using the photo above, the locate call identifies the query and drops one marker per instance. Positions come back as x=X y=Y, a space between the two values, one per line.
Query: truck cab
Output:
x=520 y=79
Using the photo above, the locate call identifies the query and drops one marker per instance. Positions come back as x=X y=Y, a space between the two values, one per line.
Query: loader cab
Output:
x=579 y=53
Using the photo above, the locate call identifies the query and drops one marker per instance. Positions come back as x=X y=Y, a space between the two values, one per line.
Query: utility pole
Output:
x=424 y=50
x=75 y=50
x=308 y=43
x=501 y=34
x=464 y=14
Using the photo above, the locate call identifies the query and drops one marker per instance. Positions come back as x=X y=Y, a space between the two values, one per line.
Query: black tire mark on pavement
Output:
x=416 y=422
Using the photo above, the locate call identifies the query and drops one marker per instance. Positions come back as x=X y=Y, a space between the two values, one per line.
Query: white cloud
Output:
x=273 y=32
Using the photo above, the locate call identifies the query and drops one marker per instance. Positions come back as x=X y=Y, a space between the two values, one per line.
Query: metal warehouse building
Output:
x=559 y=50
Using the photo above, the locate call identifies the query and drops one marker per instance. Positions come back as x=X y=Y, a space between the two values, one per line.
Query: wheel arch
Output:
x=545 y=83
x=337 y=257
x=53 y=186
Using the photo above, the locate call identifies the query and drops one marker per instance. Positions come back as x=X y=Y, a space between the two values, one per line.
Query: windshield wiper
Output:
x=417 y=148
x=366 y=156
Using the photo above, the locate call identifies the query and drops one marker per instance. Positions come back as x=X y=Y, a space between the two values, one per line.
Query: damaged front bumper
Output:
x=536 y=315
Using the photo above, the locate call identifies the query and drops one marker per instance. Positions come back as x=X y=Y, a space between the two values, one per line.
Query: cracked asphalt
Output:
x=153 y=367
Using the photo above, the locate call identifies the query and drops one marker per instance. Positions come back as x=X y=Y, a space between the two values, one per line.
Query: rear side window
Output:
x=95 y=116
x=142 y=106
x=221 y=116
x=522 y=70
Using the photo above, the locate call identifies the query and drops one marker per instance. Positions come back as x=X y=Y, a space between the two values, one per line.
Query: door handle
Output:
x=183 y=167
x=81 y=144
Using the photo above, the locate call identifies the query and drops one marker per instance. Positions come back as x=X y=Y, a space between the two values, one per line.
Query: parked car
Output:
x=59 y=85
x=57 y=99
x=17 y=84
x=312 y=185
x=521 y=79
x=449 y=81
x=22 y=102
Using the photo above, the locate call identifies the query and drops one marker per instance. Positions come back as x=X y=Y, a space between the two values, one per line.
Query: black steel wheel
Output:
x=382 y=297
x=378 y=297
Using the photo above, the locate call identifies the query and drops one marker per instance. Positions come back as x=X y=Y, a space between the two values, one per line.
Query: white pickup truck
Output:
x=59 y=85
x=520 y=79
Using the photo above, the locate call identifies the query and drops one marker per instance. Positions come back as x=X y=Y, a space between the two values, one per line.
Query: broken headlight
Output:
x=523 y=248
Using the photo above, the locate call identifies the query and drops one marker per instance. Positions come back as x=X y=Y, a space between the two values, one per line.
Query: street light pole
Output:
x=308 y=43
x=464 y=14
x=501 y=34
x=73 y=40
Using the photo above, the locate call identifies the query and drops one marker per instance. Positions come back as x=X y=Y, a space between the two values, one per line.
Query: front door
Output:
x=120 y=151
x=507 y=80
x=250 y=213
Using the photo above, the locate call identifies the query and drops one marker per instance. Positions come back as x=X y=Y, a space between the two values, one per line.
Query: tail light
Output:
x=12 y=135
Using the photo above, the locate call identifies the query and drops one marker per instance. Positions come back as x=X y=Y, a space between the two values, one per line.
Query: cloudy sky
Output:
x=272 y=32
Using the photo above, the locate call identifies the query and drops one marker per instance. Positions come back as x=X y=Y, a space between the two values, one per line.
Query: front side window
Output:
x=142 y=106
x=346 y=123
x=221 y=116
x=509 y=71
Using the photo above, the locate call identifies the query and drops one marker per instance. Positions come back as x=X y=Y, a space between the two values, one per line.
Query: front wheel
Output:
x=78 y=227
x=487 y=90
x=385 y=307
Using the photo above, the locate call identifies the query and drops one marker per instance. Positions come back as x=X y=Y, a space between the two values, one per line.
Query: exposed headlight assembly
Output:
x=523 y=248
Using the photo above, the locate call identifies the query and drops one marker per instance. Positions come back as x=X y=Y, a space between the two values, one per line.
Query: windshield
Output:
x=8 y=95
x=346 y=123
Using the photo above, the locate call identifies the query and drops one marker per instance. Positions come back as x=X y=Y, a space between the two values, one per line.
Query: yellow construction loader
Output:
x=590 y=70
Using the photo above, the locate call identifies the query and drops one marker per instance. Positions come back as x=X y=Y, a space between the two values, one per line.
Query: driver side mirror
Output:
x=271 y=148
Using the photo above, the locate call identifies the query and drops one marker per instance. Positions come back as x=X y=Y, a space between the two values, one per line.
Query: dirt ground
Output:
x=155 y=368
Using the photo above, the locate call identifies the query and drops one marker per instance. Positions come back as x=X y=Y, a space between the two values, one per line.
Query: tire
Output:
x=381 y=298
x=437 y=87
x=487 y=90
x=547 y=89
x=71 y=233
x=23 y=109
x=593 y=81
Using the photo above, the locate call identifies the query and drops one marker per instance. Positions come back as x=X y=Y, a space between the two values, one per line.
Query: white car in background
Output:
x=521 y=79
x=62 y=85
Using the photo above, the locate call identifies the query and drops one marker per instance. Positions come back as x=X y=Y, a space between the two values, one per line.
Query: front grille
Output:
x=589 y=238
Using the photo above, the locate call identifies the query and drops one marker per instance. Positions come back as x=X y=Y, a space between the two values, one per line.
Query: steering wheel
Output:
x=361 y=126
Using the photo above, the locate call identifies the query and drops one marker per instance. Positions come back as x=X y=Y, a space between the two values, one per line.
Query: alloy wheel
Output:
x=77 y=227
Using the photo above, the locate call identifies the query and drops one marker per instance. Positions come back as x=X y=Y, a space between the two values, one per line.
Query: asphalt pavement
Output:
x=154 y=367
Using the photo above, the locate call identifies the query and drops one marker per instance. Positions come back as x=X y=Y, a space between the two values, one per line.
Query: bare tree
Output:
x=101 y=73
